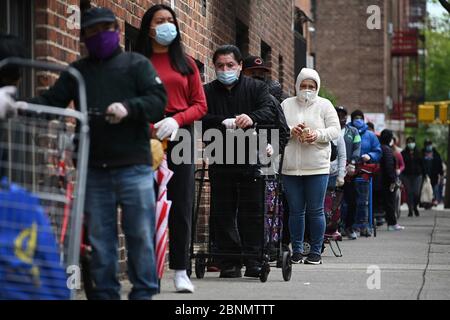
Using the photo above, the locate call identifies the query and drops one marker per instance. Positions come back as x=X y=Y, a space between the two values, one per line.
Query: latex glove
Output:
x=340 y=182
x=7 y=100
x=244 y=121
x=365 y=157
x=230 y=123
x=115 y=113
x=351 y=169
x=269 y=150
x=166 y=128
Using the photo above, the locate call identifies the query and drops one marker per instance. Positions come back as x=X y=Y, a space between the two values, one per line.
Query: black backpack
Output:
x=334 y=151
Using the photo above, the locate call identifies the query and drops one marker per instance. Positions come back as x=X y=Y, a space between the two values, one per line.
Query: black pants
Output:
x=180 y=191
x=350 y=200
x=237 y=211
x=389 y=205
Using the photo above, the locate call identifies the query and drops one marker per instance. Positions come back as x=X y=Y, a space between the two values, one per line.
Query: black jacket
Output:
x=387 y=166
x=413 y=163
x=248 y=96
x=125 y=77
x=433 y=167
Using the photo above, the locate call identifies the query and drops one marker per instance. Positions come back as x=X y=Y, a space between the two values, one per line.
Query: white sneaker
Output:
x=397 y=227
x=182 y=282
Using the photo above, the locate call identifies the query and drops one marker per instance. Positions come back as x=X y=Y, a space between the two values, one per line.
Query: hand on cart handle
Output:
x=7 y=101
x=115 y=113
x=243 y=121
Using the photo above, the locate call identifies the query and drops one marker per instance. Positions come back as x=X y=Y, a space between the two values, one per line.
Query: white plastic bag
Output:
x=426 y=196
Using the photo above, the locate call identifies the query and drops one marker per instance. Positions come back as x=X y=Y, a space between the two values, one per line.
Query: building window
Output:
x=242 y=38
x=131 y=36
x=266 y=54
x=17 y=18
x=204 y=7
x=280 y=70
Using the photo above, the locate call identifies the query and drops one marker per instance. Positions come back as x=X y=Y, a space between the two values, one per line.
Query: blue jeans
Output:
x=131 y=188
x=362 y=203
x=306 y=194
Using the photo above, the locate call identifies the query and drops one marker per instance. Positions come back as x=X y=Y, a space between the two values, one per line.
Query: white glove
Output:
x=7 y=100
x=116 y=112
x=340 y=182
x=166 y=128
x=351 y=169
x=269 y=150
x=230 y=123
x=365 y=157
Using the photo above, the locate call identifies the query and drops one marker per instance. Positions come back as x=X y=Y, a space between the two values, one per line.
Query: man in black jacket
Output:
x=236 y=101
x=388 y=179
x=125 y=87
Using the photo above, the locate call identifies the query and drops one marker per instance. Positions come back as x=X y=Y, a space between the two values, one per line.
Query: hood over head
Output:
x=307 y=74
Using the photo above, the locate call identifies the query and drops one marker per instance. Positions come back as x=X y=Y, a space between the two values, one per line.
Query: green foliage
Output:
x=325 y=93
x=437 y=35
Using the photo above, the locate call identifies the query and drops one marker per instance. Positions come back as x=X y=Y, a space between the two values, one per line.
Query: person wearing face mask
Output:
x=370 y=153
x=160 y=40
x=236 y=102
x=433 y=168
x=412 y=175
x=314 y=123
x=126 y=88
x=388 y=177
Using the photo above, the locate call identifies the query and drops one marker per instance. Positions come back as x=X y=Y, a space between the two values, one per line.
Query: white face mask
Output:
x=391 y=143
x=306 y=95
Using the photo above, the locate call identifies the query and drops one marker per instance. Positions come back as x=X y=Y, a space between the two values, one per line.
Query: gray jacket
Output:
x=352 y=143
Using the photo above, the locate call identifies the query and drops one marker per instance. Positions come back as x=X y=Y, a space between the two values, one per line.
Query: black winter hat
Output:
x=386 y=136
x=275 y=89
x=96 y=15
x=254 y=62
x=357 y=113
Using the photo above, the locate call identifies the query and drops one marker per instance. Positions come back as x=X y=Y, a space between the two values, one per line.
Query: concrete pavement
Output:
x=413 y=264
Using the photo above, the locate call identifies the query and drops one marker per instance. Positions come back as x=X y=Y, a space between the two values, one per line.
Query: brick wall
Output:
x=267 y=20
x=349 y=56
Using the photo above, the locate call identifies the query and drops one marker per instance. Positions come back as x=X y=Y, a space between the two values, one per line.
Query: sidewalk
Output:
x=414 y=264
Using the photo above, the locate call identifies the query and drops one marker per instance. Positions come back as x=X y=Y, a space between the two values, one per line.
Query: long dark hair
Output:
x=178 y=58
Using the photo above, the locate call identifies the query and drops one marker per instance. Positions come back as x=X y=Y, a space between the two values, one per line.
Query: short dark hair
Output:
x=386 y=136
x=371 y=125
x=10 y=46
x=357 y=113
x=410 y=139
x=228 y=49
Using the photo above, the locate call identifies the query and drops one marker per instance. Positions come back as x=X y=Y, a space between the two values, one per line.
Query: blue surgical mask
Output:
x=227 y=77
x=358 y=123
x=411 y=145
x=166 y=33
x=429 y=148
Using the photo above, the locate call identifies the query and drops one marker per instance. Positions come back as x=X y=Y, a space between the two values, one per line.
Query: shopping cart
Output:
x=44 y=157
x=203 y=246
x=365 y=174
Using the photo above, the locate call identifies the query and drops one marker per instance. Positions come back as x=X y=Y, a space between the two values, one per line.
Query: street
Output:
x=414 y=264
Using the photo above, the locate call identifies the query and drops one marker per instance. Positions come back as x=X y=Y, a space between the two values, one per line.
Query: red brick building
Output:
x=258 y=27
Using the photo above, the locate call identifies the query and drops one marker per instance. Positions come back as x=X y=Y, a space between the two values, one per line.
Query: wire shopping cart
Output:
x=44 y=161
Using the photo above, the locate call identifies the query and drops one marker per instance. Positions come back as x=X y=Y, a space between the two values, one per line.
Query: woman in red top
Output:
x=160 y=40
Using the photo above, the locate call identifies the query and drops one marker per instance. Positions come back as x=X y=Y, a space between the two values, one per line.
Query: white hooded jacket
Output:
x=303 y=159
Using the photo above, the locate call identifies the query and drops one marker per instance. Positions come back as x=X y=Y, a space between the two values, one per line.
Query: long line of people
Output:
x=162 y=86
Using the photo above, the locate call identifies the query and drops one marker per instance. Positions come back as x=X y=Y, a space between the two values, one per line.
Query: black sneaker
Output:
x=297 y=258
x=365 y=233
x=313 y=259
x=231 y=272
